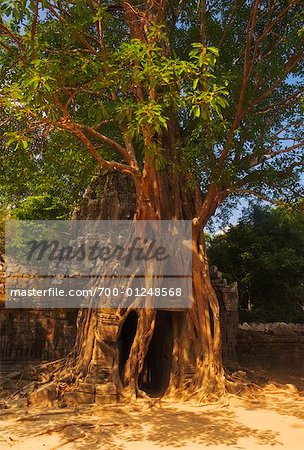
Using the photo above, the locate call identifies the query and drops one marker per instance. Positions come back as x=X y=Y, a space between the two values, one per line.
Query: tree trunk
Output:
x=194 y=348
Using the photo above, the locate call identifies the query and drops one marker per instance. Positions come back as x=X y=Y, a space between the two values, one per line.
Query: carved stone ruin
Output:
x=27 y=335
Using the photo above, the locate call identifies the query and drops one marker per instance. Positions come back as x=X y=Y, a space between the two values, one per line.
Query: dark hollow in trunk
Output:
x=155 y=377
x=126 y=339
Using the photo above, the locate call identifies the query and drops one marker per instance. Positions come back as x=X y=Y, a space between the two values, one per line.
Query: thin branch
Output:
x=161 y=10
x=254 y=160
x=245 y=80
x=133 y=19
x=155 y=10
x=129 y=146
x=295 y=97
x=112 y=165
x=293 y=60
x=282 y=151
x=203 y=21
x=100 y=32
x=277 y=20
x=265 y=33
x=254 y=176
x=6 y=47
x=107 y=141
x=60 y=106
x=288 y=66
x=232 y=16
x=15 y=38
x=86 y=44
x=77 y=34
x=291 y=124
x=213 y=198
x=260 y=196
x=102 y=124
x=247 y=73
x=35 y=20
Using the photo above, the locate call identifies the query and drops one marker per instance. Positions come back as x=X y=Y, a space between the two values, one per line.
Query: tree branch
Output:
x=109 y=142
x=276 y=20
x=237 y=5
x=282 y=151
x=293 y=60
x=35 y=20
x=296 y=96
x=213 y=198
x=255 y=160
x=133 y=20
x=15 y=38
x=248 y=69
x=203 y=21
x=113 y=165
x=245 y=80
x=77 y=34
x=261 y=197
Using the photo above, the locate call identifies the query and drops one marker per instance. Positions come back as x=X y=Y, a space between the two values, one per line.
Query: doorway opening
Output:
x=155 y=375
x=126 y=339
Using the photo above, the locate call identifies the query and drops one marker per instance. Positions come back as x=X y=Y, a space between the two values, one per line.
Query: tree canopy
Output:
x=86 y=77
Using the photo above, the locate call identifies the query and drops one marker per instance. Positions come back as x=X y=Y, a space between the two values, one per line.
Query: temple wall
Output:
x=49 y=334
x=272 y=345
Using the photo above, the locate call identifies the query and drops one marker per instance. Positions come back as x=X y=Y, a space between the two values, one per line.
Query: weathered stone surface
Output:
x=271 y=346
x=44 y=396
x=28 y=335
x=106 y=399
x=108 y=388
x=106 y=393
x=111 y=196
x=87 y=388
x=73 y=398
x=229 y=301
x=276 y=328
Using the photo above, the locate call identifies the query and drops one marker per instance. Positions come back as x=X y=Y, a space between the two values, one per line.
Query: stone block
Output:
x=87 y=388
x=106 y=393
x=73 y=398
x=44 y=396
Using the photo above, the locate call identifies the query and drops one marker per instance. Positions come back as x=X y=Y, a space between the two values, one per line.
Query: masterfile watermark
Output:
x=99 y=293
x=118 y=262
x=85 y=247
x=139 y=249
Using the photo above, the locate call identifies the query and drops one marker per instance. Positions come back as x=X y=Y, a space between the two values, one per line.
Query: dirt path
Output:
x=274 y=420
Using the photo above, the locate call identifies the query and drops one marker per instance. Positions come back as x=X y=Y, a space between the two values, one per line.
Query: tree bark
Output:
x=196 y=331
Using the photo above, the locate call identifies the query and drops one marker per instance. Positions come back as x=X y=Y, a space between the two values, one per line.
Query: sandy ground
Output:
x=273 y=420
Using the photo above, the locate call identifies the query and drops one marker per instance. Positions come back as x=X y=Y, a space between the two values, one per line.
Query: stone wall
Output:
x=111 y=196
x=44 y=334
x=49 y=334
x=272 y=345
x=33 y=335
x=229 y=302
x=27 y=335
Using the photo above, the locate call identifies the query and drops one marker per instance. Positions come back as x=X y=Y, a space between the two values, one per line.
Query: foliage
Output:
x=264 y=252
x=41 y=205
x=4 y=215
x=113 y=76
x=30 y=172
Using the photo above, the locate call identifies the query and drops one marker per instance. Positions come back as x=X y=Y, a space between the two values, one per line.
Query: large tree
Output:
x=198 y=102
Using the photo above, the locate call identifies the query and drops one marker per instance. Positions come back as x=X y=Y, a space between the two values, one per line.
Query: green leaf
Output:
x=213 y=50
